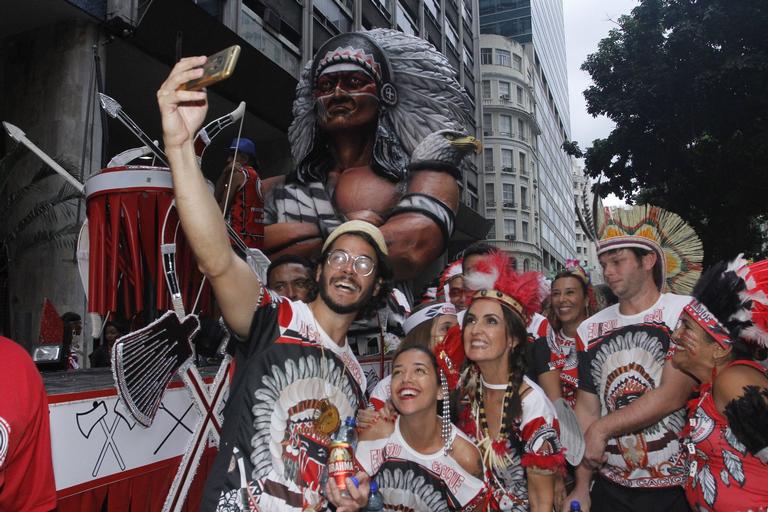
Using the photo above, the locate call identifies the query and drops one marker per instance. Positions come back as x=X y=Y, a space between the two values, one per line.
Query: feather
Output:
x=733 y=441
x=724 y=477
x=734 y=466
x=708 y=485
x=747 y=418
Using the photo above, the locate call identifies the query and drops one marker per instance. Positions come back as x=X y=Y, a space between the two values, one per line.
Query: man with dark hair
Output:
x=291 y=276
x=296 y=376
x=473 y=254
x=630 y=399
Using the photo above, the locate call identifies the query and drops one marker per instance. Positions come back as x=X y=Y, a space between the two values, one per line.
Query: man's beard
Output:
x=344 y=309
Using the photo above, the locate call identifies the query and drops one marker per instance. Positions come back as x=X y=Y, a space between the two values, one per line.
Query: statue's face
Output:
x=346 y=100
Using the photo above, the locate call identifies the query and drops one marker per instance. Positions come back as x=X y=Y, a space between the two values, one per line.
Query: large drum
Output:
x=131 y=223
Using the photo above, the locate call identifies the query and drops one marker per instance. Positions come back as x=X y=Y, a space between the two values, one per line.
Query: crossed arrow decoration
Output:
x=145 y=361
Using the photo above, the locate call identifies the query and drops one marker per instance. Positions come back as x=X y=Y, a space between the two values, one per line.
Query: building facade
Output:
x=509 y=133
x=586 y=250
x=537 y=27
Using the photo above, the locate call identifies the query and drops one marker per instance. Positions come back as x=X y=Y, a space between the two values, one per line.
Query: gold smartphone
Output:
x=219 y=66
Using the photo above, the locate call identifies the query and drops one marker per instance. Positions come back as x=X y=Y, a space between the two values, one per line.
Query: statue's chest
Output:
x=360 y=189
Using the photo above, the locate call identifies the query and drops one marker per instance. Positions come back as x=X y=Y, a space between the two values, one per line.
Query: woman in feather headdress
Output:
x=717 y=338
x=507 y=415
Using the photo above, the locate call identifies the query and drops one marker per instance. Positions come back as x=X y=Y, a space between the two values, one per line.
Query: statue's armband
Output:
x=429 y=206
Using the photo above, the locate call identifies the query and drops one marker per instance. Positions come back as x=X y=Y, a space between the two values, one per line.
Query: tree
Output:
x=686 y=82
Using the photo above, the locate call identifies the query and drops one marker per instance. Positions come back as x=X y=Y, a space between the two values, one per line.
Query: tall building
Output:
x=54 y=52
x=586 y=250
x=537 y=27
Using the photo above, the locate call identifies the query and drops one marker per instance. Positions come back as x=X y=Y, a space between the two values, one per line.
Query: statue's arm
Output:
x=421 y=224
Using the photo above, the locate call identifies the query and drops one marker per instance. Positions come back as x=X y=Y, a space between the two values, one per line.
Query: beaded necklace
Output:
x=494 y=451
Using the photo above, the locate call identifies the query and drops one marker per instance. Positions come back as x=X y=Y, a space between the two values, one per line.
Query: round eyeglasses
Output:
x=362 y=265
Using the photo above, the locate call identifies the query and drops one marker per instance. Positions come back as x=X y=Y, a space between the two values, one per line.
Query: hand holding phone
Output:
x=219 y=66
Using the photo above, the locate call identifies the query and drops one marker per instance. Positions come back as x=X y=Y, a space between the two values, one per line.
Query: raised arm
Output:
x=236 y=287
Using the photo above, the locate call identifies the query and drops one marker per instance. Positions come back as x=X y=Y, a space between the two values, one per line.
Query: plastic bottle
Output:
x=375 y=501
x=575 y=506
x=341 y=456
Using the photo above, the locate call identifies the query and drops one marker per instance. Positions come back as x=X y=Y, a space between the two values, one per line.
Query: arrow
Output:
x=19 y=136
x=115 y=111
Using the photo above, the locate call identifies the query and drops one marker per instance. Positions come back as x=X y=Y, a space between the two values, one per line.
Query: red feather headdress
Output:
x=495 y=278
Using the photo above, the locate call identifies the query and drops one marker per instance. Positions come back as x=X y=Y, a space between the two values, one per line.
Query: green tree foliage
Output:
x=686 y=82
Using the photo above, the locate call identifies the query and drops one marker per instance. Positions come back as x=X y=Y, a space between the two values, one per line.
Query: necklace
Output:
x=493 y=450
x=327 y=419
x=497 y=387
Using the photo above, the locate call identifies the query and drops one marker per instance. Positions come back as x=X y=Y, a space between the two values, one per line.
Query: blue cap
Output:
x=245 y=146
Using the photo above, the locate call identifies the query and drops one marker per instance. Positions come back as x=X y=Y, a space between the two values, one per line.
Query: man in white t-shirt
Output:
x=630 y=398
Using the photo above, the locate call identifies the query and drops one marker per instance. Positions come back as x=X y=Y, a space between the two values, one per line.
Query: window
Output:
x=517 y=62
x=486 y=89
x=505 y=125
x=526 y=265
x=489 y=196
x=525 y=231
x=488 y=154
x=578 y=250
x=506 y=160
x=503 y=58
x=433 y=8
x=519 y=95
x=523 y=169
x=404 y=21
x=509 y=229
x=524 y=197
x=492 y=233
x=508 y=194
x=487 y=124
x=521 y=134
x=504 y=91
x=486 y=55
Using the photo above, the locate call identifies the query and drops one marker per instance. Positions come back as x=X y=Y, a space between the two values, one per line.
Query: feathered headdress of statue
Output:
x=495 y=278
x=418 y=94
x=730 y=302
x=676 y=244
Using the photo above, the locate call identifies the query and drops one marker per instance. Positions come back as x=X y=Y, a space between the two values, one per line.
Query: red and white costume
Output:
x=26 y=469
x=413 y=481
x=247 y=213
x=532 y=442
x=723 y=475
x=620 y=358
x=556 y=351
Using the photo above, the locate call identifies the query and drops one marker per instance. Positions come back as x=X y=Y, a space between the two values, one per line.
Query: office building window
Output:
x=510 y=233
x=492 y=232
x=433 y=8
x=487 y=124
x=525 y=231
x=504 y=91
x=486 y=89
x=486 y=55
x=503 y=58
x=508 y=194
x=506 y=160
x=521 y=133
x=517 y=62
x=519 y=95
x=505 y=125
x=523 y=168
x=488 y=154
x=524 y=197
x=404 y=21
x=489 y=197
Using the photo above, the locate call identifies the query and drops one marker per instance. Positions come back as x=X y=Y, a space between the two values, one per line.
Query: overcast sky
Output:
x=586 y=23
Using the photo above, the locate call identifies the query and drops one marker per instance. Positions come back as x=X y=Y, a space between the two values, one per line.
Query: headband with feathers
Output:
x=495 y=278
x=731 y=302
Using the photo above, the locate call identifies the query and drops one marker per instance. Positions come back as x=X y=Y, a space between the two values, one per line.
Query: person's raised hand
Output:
x=182 y=112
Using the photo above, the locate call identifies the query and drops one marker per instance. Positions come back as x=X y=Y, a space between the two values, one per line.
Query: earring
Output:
x=445 y=425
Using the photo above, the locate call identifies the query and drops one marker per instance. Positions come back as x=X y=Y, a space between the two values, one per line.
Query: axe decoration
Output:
x=145 y=361
x=87 y=421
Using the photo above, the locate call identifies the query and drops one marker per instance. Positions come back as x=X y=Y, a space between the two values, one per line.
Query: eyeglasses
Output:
x=362 y=265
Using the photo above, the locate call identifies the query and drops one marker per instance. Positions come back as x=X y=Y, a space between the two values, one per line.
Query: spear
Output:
x=115 y=110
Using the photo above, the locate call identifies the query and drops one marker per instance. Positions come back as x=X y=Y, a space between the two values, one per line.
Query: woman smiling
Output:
x=507 y=415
